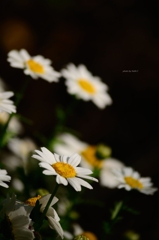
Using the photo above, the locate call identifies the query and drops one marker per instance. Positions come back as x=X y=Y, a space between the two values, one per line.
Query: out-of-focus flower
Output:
x=22 y=148
x=84 y=85
x=7 y=105
x=63 y=205
x=17 y=184
x=15 y=223
x=68 y=144
x=36 y=66
x=11 y=162
x=4 y=177
x=79 y=232
x=130 y=179
x=107 y=178
x=14 y=125
x=64 y=168
x=51 y=214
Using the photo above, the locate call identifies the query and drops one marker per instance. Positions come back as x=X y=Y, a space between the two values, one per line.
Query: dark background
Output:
x=108 y=37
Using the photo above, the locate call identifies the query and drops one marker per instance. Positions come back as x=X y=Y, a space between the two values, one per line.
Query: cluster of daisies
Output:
x=70 y=160
x=79 y=81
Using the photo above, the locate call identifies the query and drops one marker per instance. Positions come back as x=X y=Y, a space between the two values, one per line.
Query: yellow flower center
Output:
x=90 y=235
x=32 y=201
x=89 y=155
x=35 y=67
x=87 y=86
x=64 y=169
x=134 y=183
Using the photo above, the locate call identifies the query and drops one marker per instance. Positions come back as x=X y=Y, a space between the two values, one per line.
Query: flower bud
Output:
x=103 y=151
x=42 y=192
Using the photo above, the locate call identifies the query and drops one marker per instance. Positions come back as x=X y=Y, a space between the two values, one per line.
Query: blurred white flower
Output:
x=63 y=205
x=67 y=144
x=14 y=125
x=17 y=184
x=84 y=85
x=7 y=105
x=4 y=177
x=11 y=162
x=107 y=178
x=15 y=220
x=36 y=66
x=64 y=168
x=51 y=214
x=130 y=179
x=78 y=231
x=21 y=147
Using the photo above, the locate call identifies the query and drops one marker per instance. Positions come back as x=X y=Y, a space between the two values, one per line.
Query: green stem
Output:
x=49 y=202
x=116 y=210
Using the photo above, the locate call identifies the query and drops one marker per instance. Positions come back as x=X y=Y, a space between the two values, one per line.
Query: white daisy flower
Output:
x=37 y=66
x=130 y=179
x=52 y=216
x=16 y=221
x=7 y=105
x=84 y=85
x=67 y=144
x=4 y=177
x=64 y=168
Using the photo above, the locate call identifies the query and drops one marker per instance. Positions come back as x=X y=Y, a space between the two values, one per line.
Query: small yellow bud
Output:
x=42 y=192
x=103 y=151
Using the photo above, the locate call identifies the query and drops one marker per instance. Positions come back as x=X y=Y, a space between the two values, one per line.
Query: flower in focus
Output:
x=4 y=177
x=37 y=66
x=7 y=105
x=130 y=179
x=14 y=125
x=64 y=168
x=84 y=85
x=15 y=223
x=51 y=214
x=68 y=144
